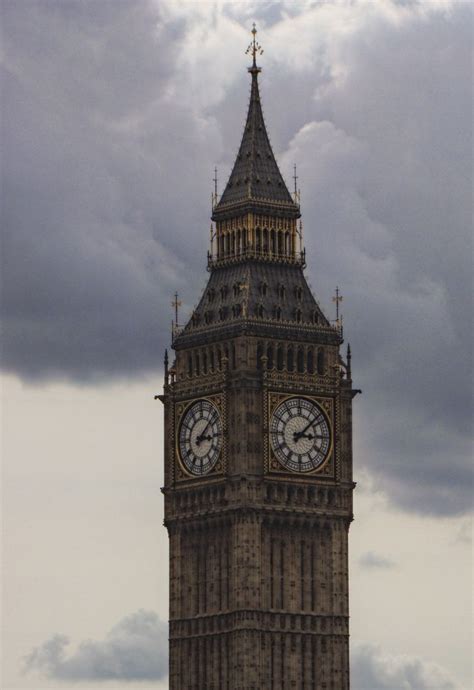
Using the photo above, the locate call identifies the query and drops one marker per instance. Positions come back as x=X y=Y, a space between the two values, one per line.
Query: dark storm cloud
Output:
x=98 y=158
x=372 y=669
x=136 y=649
x=115 y=115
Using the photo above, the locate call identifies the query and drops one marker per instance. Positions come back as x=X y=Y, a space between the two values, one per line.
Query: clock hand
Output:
x=202 y=436
x=298 y=434
x=311 y=436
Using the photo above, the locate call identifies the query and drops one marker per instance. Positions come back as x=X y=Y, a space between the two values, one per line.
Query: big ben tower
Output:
x=258 y=453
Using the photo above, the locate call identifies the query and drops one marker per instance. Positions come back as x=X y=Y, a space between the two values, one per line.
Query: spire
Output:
x=255 y=182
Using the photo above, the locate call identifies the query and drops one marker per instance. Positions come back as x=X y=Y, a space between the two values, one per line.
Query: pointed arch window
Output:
x=300 y=360
x=270 y=362
x=298 y=315
x=190 y=365
x=290 y=363
x=197 y=363
x=277 y=313
x=260 y=311
x=204 y=363
x=280 y=358
x=259 y=355
x=315 y=316
x=321 y=363
x=310 y=361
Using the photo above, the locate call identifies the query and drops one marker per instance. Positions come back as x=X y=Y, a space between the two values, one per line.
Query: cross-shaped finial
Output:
x=176 y=303
x=337 y=299
x=254 y=48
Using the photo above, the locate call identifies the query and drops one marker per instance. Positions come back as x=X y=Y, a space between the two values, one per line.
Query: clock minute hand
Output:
x=299 y=434
x=202 y=436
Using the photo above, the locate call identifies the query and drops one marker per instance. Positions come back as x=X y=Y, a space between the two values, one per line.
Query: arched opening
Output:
x=258 y=240
x=310 y=361
x=212 y=363
x=290 y=363
x=219 y=358
x=234 y=362
x=278 y=313
x=321 y=364
x=287 y=243
x=300 y=360
x=280 y=359
x=273 y=245
x=298 y=315
x=270 y=357
x=204 y=363
x=280 y=242
x=196 y=364
x=190 y=365
x=265 y=240
x=259 y=355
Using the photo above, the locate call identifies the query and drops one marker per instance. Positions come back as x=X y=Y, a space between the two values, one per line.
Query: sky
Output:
x=114 y=116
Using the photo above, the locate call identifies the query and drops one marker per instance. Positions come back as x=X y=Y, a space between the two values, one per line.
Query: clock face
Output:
x=300 y=434
x=200 y=437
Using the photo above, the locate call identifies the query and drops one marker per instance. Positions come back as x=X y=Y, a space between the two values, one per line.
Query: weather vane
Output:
x=254 y=48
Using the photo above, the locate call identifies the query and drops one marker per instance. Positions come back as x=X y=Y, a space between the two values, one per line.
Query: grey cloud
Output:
x=372 y=669
x=371 y=560
x=112 y=126
x=136 y=649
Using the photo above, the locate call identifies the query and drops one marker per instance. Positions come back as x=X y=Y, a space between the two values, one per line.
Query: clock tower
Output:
x=258 y=452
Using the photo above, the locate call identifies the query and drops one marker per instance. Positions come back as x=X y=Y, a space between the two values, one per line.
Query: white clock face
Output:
x=300 y=434
x=200 y=437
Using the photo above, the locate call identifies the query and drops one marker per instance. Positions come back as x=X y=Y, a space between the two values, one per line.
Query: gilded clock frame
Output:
x=328 y=468
x=181 y=473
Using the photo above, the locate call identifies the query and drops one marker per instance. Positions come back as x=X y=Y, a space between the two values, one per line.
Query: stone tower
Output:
x=258 y=453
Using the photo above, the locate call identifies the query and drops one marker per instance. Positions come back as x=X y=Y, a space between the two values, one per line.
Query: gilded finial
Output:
x=253 y=49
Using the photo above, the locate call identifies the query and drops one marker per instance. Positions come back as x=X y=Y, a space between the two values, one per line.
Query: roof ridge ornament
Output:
x=254 y=49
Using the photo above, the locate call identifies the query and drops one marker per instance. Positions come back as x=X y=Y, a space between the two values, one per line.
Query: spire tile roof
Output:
x=256 y=181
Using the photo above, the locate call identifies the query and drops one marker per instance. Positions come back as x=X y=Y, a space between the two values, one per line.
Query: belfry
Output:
x=258 y=452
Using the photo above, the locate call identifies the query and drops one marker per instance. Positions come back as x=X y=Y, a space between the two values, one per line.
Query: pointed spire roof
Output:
x=255 y=183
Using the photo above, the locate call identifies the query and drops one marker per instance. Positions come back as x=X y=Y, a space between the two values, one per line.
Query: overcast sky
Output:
x=114 y=116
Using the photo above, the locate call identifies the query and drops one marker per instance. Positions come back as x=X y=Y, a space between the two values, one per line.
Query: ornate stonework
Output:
x=258 y=550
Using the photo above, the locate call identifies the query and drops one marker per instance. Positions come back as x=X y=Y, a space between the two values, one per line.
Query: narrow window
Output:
x=204 y=363
x=280 y=358
x=298 y=315
x=196 y=363
x=289 y=359
x=310 y=361
x=212 y=360
x=321 y=363
x=190 y=365
x=234 y=361
x=259 y=355
x=270 y=357
x=300 y=360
